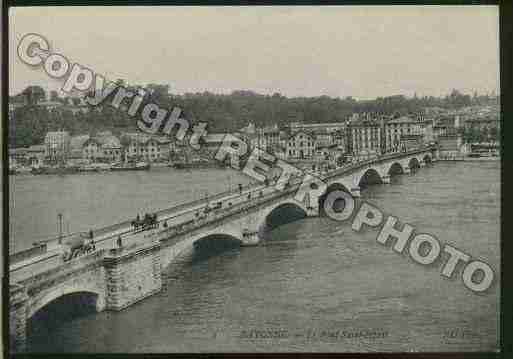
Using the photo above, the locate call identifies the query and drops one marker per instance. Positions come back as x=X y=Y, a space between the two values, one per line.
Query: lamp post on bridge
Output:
x=60 y=227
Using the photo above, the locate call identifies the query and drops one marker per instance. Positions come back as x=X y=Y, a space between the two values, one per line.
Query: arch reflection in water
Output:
x=414 y=164
x=370 y=177
x=67 y=308
x=395 y=169
x=213 y=245
x=279 y=216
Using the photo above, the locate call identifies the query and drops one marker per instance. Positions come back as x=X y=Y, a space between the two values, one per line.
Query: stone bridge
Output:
x=378 y=171
x=117 y=277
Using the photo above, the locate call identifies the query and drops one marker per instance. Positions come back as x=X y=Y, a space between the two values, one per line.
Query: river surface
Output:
x=97 y=200
x=316 y=284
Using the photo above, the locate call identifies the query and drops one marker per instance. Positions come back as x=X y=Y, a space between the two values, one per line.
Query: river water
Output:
x=314 y=286
x=96 y=200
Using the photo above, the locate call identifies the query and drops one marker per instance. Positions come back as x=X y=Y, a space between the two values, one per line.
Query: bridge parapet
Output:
x=385 y=158
x=56 y=268
x=216 y=217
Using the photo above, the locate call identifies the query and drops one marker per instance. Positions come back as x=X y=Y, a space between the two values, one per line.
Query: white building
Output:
x=36 y=155
x=110 y=147
x=325 y=127
x=300 y=145
x=264 y=138
x=148 y=148
x=403 y=126
x=92 y=149
x=365 y=138
x=57 y=145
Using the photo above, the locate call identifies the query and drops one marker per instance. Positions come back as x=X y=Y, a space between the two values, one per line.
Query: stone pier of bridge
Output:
x=118 y=278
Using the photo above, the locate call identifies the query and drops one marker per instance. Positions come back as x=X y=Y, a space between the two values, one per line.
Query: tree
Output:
x=54 y=95
x=470 y=135
x=34 y=94
x=120 y=82
x=125 y=143
x=457 y=99
x=229 y=112
x=485 y=134
x=494 y=133
x=158 y=93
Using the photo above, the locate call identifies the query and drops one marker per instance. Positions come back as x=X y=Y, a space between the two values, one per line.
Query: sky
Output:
x=337 y=51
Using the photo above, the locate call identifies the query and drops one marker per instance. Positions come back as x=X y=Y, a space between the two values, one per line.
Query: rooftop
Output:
x=56 y=136
x=364 y=123
x=49 y=103
x=109 y=141
x=143 y=138
x=76 y=142
x=36 y=148
x=403 y=119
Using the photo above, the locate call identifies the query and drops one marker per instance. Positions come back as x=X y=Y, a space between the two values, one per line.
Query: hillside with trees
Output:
x=223 y=113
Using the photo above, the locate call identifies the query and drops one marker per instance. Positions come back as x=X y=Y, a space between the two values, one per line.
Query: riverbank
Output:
x=470 y=159
x=101 y=170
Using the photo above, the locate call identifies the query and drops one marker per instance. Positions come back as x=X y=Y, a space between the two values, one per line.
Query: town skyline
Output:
x=336 y=64
x=221 y=113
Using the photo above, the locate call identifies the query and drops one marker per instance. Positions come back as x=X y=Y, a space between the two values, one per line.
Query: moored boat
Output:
x=54 y=170
x=137 y=166
x=195 y=164
x=95 y=167
x=89 y=168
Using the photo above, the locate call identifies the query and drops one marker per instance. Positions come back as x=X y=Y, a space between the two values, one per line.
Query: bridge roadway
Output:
x=105 y=238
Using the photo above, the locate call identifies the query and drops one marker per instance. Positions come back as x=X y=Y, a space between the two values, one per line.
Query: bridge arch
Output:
x=414 y=163
x=369 y=177
x=93 y=296
x=395 y=169
x=213 y=244
x=427 y=158
x=279 y=215
x=215 y=237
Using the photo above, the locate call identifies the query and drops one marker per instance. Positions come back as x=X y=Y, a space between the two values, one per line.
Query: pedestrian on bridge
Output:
x=119 y=242
x=91 y=233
